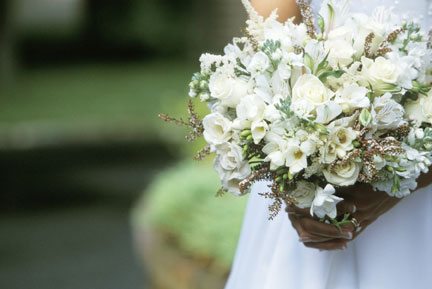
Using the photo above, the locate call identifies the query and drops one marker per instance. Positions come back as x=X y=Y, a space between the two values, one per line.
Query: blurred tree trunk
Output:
x=6 y=43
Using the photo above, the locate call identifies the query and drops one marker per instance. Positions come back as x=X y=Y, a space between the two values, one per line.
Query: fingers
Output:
x=336 y=244
x=346 y=207
x=310 y=230
x=324 y=230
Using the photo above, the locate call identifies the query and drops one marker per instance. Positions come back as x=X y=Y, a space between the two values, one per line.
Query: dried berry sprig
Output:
x=259 y=175
x=368 y=45
x=203 y=153
x=308 y=17
x=193 y=122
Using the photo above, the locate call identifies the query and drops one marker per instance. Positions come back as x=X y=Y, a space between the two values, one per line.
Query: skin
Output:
x=360 y=200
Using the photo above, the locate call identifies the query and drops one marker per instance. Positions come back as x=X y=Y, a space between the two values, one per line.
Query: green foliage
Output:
x=182 y=202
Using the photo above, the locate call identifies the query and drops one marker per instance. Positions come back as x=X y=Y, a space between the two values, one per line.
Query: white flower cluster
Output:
x=352 y=104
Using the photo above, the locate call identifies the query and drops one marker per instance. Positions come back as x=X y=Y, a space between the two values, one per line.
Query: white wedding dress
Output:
x=395 y=252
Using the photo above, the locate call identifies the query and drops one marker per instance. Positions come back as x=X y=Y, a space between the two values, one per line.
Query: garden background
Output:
x=97 y=192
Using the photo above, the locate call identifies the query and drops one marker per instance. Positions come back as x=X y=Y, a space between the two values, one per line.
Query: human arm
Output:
x=286 y=8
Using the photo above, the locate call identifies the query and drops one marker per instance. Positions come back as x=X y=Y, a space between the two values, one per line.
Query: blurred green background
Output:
x=92 y=182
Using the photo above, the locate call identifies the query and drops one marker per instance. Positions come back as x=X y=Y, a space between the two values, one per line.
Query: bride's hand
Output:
x=364 y=204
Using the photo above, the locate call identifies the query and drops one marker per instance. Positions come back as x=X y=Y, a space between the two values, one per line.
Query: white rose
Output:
x=420 y=110
x=231 y=166
x=307 y=94
x=258 y=130
x=227 y=89
x=340 y=52
x=251 y=108
x=304 y=194
x=352 y=97
x=343 y=174
x=308 y=87
x=381 y=73
x=217 y=129
x=324 y=203
x=259 y=63
x=387 y=113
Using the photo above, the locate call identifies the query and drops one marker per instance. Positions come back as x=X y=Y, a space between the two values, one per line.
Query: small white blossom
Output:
x=324 y=203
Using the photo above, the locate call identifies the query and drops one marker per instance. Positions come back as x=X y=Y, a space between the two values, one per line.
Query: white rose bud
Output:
x=227 y=89
x=304 y=194
x=343 y=174
x=217 y=129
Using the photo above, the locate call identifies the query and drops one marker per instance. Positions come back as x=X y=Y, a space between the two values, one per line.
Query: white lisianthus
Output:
x=304 y=194
x=324 y=203
x=340 y=52
x=387 y=113
x=231 y=166
x=381 y=73
x=345 y=174
x=258 y=130
x=259 y=63
x=420 y=110
x=217 y=129
x=352 y=97
x=251 y=107
x=227 y=89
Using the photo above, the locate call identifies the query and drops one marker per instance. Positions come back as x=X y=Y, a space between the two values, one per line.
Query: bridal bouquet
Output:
x=334 y=101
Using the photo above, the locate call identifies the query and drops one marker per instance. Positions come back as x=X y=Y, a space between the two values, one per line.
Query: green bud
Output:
x=356 y=143
x=245 y=133
x=285 y=176
x=390 y=169
x=249 y=138
x=203 y=84
x=365 y=117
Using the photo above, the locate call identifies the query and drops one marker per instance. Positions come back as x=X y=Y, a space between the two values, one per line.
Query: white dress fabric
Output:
x=395 y=252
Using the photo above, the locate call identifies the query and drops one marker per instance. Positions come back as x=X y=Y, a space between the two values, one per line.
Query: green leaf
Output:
x=308 y=61
x=365 y=117
x=335 y=73
x=321 y=23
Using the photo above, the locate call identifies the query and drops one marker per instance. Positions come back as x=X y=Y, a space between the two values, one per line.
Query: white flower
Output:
x=259 y=63
x=381 y=73
x=308 y=87
x=387 y=113
x=324 y=203
x=259 y=130
x=304 y=194
x=307 y=94
x=351 y=97
x=406 y=186
x=343 y=174
x=296 y=158
x=340 y=52
x=231 y=166
x=420 y=110
x=217 y=128
x=227 y=89
x=325 y=113
x=251 y=108
x=338 y=144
